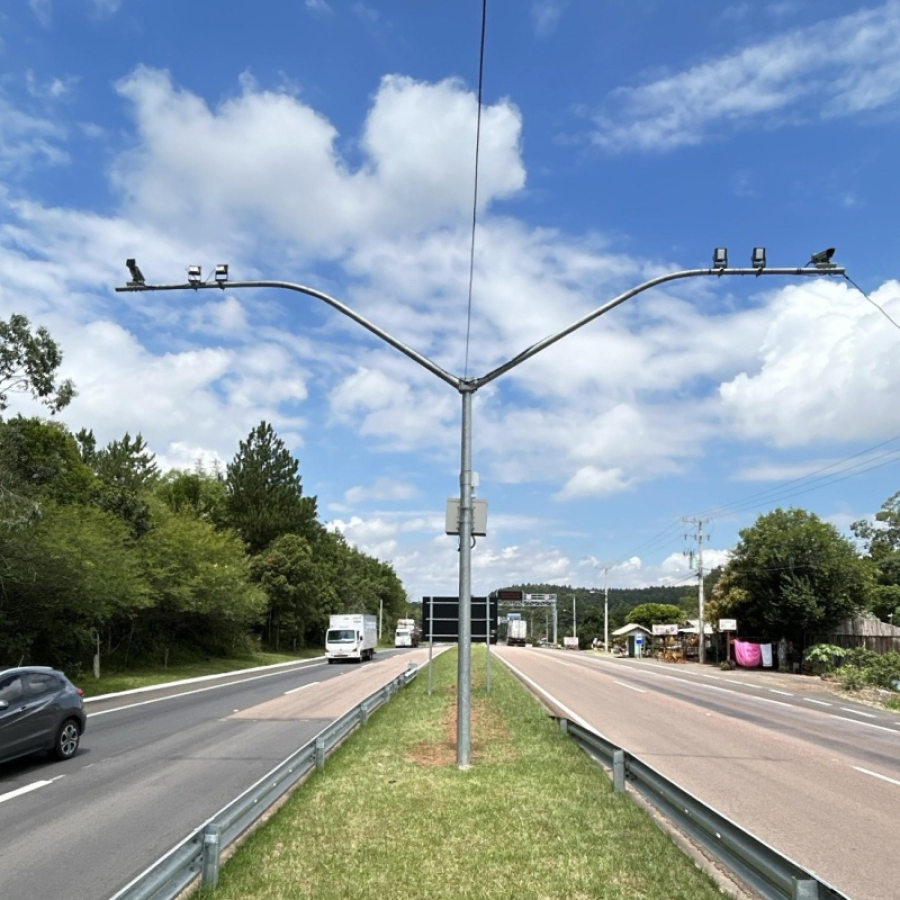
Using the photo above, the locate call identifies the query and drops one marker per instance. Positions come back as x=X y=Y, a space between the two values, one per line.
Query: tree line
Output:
x=791 y=577
x=100 y=548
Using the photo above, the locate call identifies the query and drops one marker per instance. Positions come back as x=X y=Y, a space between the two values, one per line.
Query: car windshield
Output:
x=341 y=636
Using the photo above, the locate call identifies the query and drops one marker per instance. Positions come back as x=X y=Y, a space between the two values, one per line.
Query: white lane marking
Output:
x=317 y=660
x=572 y=715
x=631 y=687
x=783 y=693
x=876 y=775
x=712 y=687
x=820 y=702
x=24 y=790
x=212 y=687
x=302 y=687
x=857 y=712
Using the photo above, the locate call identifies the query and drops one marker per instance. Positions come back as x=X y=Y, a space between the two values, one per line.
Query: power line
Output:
x=475 y=191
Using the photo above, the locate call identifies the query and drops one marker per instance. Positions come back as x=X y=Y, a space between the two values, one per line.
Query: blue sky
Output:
x=332 y=144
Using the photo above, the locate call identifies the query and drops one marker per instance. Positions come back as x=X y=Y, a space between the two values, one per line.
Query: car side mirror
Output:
x=3 y=705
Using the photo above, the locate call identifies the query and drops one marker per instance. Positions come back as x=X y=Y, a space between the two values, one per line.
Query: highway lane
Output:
x=152 y=768
x=819 y=783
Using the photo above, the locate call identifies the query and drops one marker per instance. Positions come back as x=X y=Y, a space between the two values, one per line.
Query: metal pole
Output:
x=555 y=623
x=464 y=672
x=574 y=628
x=606 y=609
x=487 y=643
x=701 y=626
x=430 y=642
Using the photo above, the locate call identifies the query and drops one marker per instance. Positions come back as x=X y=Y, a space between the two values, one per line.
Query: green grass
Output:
x=123 y=681
x=392 y=816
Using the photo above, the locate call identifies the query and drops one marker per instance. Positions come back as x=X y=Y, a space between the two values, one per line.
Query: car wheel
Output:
x=67 y=739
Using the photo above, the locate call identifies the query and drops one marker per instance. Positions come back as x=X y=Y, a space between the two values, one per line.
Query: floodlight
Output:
x=758 y=259
x=822 y=259
x=137 y=276
x=222 y=273
x=720 y=258
x=194 y=276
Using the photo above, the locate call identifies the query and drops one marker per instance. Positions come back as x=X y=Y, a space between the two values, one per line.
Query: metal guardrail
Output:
x=771 y=874
x=199 y=854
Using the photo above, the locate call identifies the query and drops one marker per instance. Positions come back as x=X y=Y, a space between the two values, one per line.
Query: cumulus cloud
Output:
x=267 y=164
x=826 y=369
x=842 y=67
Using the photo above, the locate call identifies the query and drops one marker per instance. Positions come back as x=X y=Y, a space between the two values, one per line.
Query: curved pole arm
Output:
x=616 y=301
x=424 y=361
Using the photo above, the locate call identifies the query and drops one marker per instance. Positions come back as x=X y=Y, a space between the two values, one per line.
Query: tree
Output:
x=791 y=576
x=650 y=614
x=126 y=470
x=28 y=364
x=265 y=494
x=881 y=540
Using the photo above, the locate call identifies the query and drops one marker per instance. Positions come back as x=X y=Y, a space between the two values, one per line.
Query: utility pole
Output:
x=606 y=609
x=701 y=625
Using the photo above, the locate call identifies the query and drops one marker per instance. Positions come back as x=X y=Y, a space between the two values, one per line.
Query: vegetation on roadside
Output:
x=102 y=552
x=393 y=816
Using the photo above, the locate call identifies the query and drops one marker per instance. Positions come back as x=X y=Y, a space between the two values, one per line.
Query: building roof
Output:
x=630 y=628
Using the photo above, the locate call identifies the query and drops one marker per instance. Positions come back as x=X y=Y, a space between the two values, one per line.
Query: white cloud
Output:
x=381 y=489
x=264 y=163
x=835 y=68
x=827 y=367
x=546 y=15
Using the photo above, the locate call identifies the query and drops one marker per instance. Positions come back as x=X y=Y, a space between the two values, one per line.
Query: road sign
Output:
x=446 y=619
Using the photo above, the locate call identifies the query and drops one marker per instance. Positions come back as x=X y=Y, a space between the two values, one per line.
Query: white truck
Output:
x=516 y=632
x=407 y=633
x=351 y=636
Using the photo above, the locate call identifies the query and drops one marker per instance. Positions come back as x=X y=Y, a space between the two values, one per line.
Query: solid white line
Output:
x=820 y=702
x=212 y=687
x=24 y=790
x=572 y=715
x=300 y=664
x=302 y=687
x=876 y=775
x=631 y=687
x=857 y=712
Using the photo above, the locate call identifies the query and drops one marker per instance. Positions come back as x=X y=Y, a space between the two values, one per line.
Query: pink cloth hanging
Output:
x=747 y=654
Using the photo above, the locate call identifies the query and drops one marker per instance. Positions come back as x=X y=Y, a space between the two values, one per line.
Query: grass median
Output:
x=392 y=816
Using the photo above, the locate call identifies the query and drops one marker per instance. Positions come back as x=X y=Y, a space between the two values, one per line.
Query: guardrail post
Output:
x=564 y=726
x=210 y=871
x=320 y=753
x=805 y=889
x=363 y=714
x=619 y=771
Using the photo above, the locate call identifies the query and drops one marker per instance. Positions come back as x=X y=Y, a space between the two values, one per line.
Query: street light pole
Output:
x=466 y=388
x=606 y=609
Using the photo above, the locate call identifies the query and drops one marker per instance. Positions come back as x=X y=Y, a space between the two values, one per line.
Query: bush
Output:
x=824 y=658
x=865 y=668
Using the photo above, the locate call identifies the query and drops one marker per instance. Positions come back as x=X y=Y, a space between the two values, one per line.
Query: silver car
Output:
x=40 y=710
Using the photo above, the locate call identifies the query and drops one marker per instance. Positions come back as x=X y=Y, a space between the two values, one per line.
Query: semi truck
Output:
x=351 y=636
x=516 y=631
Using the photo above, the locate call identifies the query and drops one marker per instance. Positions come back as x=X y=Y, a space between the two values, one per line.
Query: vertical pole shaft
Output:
x=555 y=624
x=430 y=643
x=606 y=609
x=464 y=671
x=487 y=644
x=574 y=624
x=701 y=626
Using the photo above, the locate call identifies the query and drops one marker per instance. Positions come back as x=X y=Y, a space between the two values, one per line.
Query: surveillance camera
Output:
x=137 y=277
x=823 y=257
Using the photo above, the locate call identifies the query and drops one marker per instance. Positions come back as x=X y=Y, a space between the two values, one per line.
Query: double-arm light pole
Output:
x=819 y=265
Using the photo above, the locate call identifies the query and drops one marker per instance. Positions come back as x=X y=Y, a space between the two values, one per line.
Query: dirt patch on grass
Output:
x=490 y=739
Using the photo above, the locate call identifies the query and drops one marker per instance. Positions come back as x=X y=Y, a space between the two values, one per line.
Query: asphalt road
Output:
x=811 y=774
x=154 y=765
